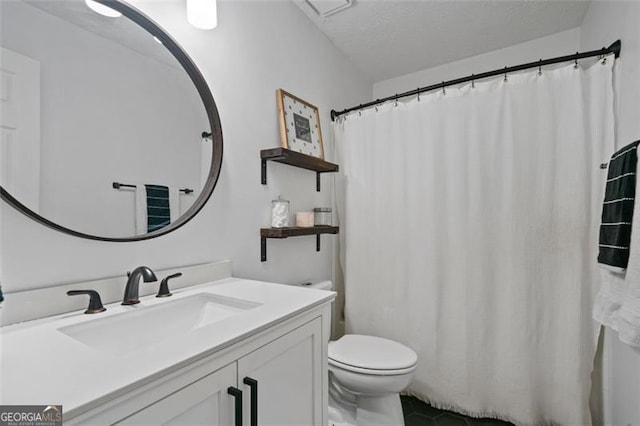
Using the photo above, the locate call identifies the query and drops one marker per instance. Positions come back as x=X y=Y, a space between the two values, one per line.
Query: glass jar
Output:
x=322 y=216
x=280 y=213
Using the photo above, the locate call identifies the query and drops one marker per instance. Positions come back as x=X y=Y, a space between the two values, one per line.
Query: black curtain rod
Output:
x=613 y=48
x=118 y=185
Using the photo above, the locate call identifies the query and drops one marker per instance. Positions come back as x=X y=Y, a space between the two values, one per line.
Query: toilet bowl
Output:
x=366 y=376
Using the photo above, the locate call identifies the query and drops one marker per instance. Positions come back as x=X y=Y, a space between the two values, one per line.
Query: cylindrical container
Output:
x=322 y=216
x=304 y=219
x=280 y=213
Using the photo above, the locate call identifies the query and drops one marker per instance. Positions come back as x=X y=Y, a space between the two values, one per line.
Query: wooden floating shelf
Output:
x=296 y=159
x=292 y=232
x=296 y=231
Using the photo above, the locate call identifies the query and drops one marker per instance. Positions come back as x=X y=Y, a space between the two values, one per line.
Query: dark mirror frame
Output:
x=212 y=114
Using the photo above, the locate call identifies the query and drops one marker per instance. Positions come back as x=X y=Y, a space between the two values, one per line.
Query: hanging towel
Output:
x=174 y=203
x=158 y=208
x=617 y=209
x=141 y=210
x=617 y=303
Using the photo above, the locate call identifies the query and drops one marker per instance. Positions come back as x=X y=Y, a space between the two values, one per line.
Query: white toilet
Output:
x=366 y=375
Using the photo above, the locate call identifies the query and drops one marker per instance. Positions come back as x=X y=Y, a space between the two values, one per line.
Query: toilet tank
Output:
x=323 y=285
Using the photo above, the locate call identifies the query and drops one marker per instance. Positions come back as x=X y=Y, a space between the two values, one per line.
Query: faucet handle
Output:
x=164 y=285
x=95 y=303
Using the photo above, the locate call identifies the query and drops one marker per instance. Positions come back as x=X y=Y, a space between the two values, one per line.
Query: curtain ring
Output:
x=396 y=101
x=540 y=67
x=505 y=74
x=418 y=89
x=376 y=107
x=575 y=63
x=359 y=113
x=604 y=59
x=473 y=82
x=444 y=92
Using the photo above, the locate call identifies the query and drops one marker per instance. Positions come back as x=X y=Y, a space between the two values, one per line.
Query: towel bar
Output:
x=118 y=185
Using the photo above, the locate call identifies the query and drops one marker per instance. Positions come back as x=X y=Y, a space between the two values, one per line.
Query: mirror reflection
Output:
x=89 y=102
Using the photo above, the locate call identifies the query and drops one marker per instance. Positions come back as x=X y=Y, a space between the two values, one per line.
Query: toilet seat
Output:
x=371 y=355
x=370 y=372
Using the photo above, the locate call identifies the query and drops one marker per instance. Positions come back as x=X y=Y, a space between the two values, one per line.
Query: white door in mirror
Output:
x=20 y=127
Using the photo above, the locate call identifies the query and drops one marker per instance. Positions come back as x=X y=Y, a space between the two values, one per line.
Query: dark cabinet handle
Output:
x=253 y=385
x=237 y=394
x=95 y=304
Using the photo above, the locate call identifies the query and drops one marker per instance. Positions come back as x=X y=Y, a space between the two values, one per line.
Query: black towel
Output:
x=617 y=208
x=158 y=211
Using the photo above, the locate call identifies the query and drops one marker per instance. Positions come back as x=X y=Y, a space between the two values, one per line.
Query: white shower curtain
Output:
x=469 y=233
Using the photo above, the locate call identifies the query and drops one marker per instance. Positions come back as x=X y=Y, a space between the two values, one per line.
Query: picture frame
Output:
x=299 y=125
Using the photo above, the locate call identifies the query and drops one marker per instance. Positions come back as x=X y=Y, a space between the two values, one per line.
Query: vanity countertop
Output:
x=39 y=364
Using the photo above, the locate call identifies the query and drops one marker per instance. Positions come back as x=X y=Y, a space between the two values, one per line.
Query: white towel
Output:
x=174 y=204
x=617 y=304
x=141 y=209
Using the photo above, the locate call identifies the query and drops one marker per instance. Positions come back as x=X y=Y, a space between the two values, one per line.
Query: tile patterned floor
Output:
x=417 y=413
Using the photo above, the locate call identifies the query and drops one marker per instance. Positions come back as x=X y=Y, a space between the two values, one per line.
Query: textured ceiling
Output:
x=387 y=38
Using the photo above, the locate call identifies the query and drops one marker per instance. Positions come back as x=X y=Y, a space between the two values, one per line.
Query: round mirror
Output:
x=108 y=129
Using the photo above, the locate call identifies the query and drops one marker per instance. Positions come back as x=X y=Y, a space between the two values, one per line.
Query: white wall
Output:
x=257 y=48
x=604 y=23
x=546 y=47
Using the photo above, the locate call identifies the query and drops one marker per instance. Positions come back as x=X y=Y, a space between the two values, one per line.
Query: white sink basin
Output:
x=145 y=326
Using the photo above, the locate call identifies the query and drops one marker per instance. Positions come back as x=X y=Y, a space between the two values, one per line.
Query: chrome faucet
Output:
x=131 y=289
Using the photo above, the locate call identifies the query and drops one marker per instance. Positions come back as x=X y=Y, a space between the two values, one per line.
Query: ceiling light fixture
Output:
x=202 y=14
x=102 y=9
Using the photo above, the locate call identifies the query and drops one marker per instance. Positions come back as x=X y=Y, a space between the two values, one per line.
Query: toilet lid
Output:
x=372 y=353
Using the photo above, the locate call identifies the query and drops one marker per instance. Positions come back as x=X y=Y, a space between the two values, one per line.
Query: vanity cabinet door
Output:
x=204 y=402
x=288 y=372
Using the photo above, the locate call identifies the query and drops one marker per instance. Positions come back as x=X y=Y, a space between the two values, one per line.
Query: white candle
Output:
x=304 y=219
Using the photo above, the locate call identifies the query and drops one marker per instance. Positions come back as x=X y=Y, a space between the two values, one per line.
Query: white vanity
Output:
x=179 y=360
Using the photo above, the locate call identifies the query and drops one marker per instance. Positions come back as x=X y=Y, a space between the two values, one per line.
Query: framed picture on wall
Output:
x=299 y=125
